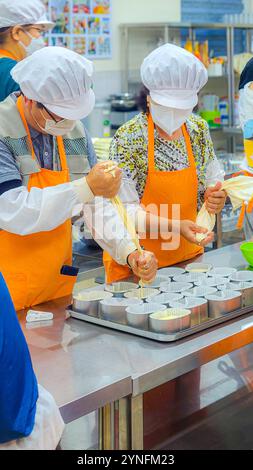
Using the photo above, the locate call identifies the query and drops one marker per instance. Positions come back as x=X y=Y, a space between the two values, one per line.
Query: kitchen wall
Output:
x=108 y=72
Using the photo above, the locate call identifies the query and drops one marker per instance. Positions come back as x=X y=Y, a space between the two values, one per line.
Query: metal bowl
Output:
x=157 y=282
x=137 y=316
x=166 y=298
x=246 y=289
x=89 y=302
x=198 y=308
x=190 y=277
x=200 y=291
x=170 y=320
x=123 y=102
x=171 y=271
x=224 y=272
x=137 y=293
x=198 y=267
x=212 y=281
x=223 y=302
x=114 y=309
x=118 y=289
x=175 y=287
x=242 y=276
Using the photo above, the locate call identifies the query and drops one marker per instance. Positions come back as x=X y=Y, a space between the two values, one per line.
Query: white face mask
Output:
x=169 y=119
x=56 y=128
x=59 y=128
x=35 y=45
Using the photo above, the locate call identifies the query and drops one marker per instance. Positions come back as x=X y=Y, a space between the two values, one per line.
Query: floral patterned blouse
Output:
x=129 y=148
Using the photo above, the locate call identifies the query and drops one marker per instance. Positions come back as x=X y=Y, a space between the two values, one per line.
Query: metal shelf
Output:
x=230 y=132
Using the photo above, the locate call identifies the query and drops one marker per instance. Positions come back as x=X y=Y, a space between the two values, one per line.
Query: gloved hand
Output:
x=143 y=265
x=104 y=183
x=189 y=230
x=215 y=198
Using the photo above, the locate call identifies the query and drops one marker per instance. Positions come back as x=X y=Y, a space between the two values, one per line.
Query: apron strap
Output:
x=151 y=145
x=60 y=143
x=4 y=53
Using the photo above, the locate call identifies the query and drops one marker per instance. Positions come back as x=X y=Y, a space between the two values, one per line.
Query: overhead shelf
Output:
x=232 y=130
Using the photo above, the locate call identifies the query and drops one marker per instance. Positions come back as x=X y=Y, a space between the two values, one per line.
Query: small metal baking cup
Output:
x=198 y=267
x=224 y=272
x=141 y=294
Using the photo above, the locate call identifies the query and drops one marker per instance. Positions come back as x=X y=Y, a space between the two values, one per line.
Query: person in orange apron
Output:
x=21 y=27
x=46 y=175
x=172 y=77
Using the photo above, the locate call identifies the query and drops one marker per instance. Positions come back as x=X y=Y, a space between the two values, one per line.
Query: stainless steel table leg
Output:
x=106 y=427
x=137 y=432
x=124 y=424
x=121 y=425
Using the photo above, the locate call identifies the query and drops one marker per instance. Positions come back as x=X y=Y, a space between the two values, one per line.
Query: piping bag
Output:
x=128 y=223
x=240 y=192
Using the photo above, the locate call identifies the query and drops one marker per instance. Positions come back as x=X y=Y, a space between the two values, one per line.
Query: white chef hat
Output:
x=173 y=76
x=23 y=12
x=58 y=78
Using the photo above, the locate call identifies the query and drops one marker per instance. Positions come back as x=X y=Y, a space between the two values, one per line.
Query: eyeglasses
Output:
x=41 y=32
x=48 y=112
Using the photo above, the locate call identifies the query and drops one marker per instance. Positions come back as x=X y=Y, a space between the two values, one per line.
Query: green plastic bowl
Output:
x=247 y=251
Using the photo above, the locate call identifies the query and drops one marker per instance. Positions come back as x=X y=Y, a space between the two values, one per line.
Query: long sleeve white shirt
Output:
x=25 y=213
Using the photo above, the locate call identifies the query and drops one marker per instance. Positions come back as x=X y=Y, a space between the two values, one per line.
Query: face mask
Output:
x=56 y=128
x=35 y=45
x=169 y=119
x=59 y=128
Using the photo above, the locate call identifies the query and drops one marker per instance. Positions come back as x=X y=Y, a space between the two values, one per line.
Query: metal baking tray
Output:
x=164 y=338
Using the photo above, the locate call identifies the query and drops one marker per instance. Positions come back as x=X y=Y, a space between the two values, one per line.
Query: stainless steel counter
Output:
x=70 y=361
x=86 y=366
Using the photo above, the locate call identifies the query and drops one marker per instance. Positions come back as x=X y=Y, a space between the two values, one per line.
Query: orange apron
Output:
x=165 y=187
x=31 y=264
x=4 y=53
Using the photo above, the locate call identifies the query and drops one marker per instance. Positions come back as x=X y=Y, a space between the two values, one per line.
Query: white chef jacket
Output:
x=48 y=427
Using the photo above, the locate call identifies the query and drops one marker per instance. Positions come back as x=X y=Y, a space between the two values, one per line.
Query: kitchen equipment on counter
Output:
x=213 y=281
x=170 y=320
x=88 y=302
x=141 y=294
x=223 y=302
x=138 y=315
x=198 y=267
x=118 y=289
x=114 y=309
x=224 y=272
x=166 y=298
x=175 y=287
x=123 y=102
x=197 y=306
x=171 y=271
x=246 y=289
x=247 y=251
x=242 y=276
x=190 y=277
x=199 y=291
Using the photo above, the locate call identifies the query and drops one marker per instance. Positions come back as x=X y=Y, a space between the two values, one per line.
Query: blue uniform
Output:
x=18 y=384
x=7 y=84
